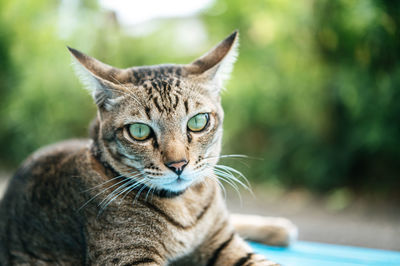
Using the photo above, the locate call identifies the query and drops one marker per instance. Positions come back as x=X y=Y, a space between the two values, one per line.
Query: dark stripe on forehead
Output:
x=139 y=75
x=147 y=110
x=176 y=101
x=178 y=91
x=154 y=85
x=155 y=101
x=165 y=87
x=186 y=106
x=163 y=92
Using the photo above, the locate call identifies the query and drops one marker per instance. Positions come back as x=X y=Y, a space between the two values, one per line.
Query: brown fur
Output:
x=112 y=200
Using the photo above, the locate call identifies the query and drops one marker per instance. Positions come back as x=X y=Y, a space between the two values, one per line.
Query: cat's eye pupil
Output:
x=139 y=131
x=198 y=122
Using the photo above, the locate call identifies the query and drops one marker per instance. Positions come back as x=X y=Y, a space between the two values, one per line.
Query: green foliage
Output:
x=314 y=93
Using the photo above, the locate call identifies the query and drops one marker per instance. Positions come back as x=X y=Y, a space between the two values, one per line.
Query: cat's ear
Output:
x=100 y=79
x=216 y=65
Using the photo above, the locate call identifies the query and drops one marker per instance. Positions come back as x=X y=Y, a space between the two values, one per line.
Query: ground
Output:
x=358 y=223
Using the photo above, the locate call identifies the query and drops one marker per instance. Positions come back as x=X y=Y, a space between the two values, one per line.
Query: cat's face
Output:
x=148 y=130
x=161 y=125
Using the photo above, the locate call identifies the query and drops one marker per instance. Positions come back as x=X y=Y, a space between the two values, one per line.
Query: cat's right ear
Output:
x=215 y=66
x=100 y=79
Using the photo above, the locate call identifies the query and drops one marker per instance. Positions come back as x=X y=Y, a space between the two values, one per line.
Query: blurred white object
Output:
x=135 y=12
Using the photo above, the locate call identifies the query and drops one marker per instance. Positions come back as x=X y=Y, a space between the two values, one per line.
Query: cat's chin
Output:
x=168 y=190
x=178 y=185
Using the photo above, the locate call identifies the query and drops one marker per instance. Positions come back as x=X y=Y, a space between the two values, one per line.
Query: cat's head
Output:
x=162 y=124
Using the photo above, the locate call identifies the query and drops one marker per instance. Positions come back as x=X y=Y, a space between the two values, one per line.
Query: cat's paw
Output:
x=273 y=231
x=259 y=260
x=277 y=231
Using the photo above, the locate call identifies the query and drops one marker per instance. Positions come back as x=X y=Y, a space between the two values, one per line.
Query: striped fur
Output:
x=113 y=200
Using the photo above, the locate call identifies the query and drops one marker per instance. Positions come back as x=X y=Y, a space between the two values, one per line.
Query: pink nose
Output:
x=177 y=167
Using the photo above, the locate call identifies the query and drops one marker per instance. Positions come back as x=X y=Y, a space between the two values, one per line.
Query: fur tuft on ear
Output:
x=96 y=77
x=225 y=67
x=216 y=65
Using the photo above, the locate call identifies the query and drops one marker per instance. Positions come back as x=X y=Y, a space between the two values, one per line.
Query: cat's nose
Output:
x=177 y=167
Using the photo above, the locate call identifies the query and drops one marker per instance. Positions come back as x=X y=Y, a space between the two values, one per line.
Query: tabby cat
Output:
x=144 y=189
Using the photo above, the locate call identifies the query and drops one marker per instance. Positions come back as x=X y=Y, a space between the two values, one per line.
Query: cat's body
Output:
x=142 y=191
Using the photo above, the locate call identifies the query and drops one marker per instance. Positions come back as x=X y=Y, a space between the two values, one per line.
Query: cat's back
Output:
x=48 y=164
x=41 y=201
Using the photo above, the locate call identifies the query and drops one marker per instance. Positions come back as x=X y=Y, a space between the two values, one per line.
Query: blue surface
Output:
x=316 y=254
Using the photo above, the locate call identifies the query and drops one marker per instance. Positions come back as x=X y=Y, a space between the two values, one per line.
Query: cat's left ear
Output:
x=216 y=66
x=102 y=80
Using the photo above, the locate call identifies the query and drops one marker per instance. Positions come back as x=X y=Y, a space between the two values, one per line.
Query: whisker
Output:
x=227 y=174
x=147 y=194
x=233 y=156
x=227 y=156
x=233 y=185
x=239 y=157
x=130 y=95
x=99 y=185
x=219 y=184
x=101 y=192
x=128 y=92
x=230 y=170
x=227 y=179
x=110 y=197
x=131 y=188
x=130 y=180
x=211 y=175
x=127 y=190
x=138 y=194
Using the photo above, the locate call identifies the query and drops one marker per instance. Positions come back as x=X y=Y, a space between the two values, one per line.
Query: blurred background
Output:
x=314 y=99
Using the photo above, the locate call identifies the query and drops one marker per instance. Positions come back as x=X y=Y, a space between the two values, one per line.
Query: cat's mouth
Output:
x=176 y=183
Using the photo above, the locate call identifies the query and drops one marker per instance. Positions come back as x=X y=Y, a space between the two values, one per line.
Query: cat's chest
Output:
x=178 y=224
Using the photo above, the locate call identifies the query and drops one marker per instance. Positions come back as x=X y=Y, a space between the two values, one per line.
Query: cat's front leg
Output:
x=127 y=254
x=123 y=255
x=121 y=243
x=233 y=250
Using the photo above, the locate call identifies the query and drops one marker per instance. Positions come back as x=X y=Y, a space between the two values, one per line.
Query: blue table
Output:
x=316 y=254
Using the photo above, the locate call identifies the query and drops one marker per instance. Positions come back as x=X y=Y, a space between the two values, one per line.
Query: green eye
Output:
x=198 y=122
x=139 y=131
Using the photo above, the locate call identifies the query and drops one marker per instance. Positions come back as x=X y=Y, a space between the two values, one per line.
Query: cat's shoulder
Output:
x=59 y=152
x=51 y=169
x=55 y=159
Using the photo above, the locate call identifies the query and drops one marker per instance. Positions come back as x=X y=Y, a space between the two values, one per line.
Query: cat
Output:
x=143 y=189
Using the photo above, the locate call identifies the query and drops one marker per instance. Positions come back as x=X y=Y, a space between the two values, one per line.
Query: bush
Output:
x=316 y=84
